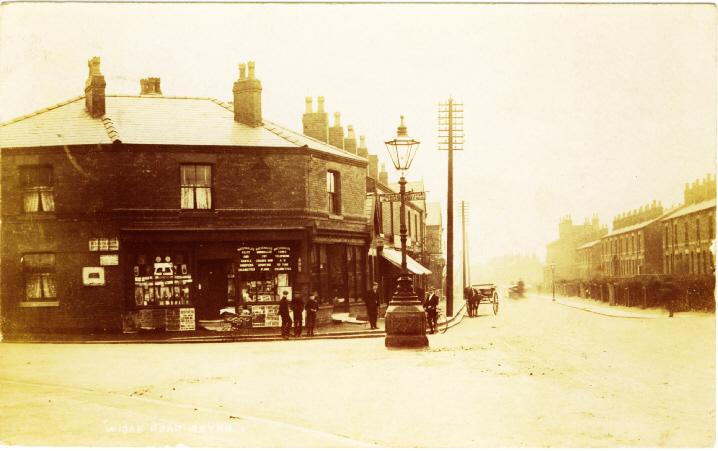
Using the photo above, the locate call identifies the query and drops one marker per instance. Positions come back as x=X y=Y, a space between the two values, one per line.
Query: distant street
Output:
x=539 y=374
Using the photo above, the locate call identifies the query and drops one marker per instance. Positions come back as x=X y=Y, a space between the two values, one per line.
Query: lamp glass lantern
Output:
x=402 y=149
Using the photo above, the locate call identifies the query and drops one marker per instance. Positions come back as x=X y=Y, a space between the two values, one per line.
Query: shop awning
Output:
x=393 y=256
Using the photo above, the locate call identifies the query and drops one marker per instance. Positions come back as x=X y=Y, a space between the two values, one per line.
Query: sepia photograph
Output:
x=333 y=225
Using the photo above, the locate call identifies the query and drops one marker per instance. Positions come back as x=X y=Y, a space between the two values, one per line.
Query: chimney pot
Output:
x=308 y=103
x=250 y=67
x=320 y=104
x=248 y=98
x=362 y=141
x=95 y=88
x=337 y=121
x=242 y=71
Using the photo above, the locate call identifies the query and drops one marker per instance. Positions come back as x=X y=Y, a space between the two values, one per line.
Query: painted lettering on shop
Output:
x=246 y=259
x=281 y=258
x=264 y=258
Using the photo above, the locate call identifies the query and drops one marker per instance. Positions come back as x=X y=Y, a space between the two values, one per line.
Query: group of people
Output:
x=297 y=307
x=291 y=312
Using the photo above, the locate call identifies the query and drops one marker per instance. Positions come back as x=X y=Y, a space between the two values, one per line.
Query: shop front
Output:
x=185 y=284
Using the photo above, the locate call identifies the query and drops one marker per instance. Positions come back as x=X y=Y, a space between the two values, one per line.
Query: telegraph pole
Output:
x=465 y=256
x=451 y=137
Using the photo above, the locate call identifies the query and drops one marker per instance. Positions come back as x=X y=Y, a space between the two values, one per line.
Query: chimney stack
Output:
x=383 y=176
x=248 y=97
x=150 y=86
x=350 y=142
x=95 y=89
x=336 y=133
x=362 y=150
x=316 y=124
x=373 y=167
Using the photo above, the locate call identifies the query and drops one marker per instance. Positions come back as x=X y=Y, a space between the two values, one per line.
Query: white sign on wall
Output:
x=93 y=276
x=109 y=260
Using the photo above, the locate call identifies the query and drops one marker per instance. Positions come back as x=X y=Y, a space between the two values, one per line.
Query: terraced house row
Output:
x=648 y=248
x=147 y=211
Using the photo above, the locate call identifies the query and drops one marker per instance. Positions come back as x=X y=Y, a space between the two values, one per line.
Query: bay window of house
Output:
x=685 y=232
x=334 y=192
x=196 y=186
x=37 y=189
x=39 y=278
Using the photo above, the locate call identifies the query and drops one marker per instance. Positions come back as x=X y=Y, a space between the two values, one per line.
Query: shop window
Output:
x=37 y=189
x=351 y=273
x=196 y=186
x=334 y=192
x=162 y=279
x=39 y=276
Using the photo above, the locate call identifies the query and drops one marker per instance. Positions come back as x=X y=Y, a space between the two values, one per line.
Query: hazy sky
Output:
x=570 y=109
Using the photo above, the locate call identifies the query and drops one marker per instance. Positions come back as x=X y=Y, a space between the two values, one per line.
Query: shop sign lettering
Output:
x=264 y=258
x=246 y=259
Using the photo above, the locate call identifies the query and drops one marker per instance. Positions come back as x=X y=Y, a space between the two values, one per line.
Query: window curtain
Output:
x=48 y=200
x=49 y=288
x=31 y=201
x=187 y=197
x=33 y=287
x=204 y=198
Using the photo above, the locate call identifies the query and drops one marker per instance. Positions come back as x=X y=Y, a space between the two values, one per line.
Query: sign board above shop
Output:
x=264 y=259
x=396 y=197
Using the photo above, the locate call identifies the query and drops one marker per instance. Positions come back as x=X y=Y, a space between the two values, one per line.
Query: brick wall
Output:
x=98 y=190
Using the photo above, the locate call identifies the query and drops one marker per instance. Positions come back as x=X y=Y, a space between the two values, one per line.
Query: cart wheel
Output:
x=496 y=303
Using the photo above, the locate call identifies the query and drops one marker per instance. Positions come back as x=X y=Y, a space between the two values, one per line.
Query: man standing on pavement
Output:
x=431 y=307
x=297 y=306
x=312 y=308
x=284 y=314
x=372 y=304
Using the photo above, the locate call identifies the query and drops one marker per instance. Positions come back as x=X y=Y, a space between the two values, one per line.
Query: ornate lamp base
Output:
x=405 y=322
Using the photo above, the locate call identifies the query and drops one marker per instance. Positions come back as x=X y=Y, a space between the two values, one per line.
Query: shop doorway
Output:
x=211 y=288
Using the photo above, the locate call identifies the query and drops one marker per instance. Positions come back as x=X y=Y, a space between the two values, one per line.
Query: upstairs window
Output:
x=37 y=189
x=39 y=276
x=196 y=186
x=333 y=192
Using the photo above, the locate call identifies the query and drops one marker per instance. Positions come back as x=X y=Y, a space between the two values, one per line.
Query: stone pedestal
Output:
x=405 y=326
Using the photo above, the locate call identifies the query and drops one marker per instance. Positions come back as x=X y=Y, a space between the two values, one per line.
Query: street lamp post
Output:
x=553 y=281
x=405 y=317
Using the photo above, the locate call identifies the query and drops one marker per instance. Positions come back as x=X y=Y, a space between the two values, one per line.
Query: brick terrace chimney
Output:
x=316 y=124
x=383 y=175
x=95 y=89
x=362 y=150
x=350 y=142
x=150 y=86
x=336 y=133
x=373 y=167
x=248 y=97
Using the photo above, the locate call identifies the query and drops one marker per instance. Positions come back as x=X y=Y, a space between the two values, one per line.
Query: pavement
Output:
x=616 y=311
x=538 y=374
x=336 y=330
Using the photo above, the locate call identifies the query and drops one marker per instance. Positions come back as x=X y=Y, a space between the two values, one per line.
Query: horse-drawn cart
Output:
x=484 y=293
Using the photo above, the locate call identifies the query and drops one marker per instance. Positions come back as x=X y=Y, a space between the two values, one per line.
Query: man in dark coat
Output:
x=312 y=307
x=431 y=307
x=297 y=306
x=284 y=314
x=371 y=300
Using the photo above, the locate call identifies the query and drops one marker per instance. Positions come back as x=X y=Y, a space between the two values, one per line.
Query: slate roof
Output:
x=692 y=208
x=632 y=228
x=134 y=119
x=589 y=244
